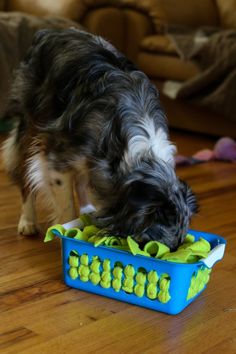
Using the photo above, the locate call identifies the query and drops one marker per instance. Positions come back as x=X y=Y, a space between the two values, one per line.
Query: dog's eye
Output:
x=92 y=186
x=151 y=210
x=165 y=217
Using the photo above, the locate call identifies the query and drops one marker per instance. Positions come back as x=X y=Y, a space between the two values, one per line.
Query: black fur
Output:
x=81 y=98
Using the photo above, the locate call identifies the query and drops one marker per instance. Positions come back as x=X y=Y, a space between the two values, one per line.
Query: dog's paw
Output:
x=26 y=228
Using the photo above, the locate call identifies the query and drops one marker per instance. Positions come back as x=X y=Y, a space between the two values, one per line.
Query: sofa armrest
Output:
x=108 y=22
x=125 y=28
x=137 y=27
x=128 y=24
x=124 y=22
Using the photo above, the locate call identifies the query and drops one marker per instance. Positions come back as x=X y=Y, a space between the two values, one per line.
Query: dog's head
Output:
x=152 y=204
x=161 y=213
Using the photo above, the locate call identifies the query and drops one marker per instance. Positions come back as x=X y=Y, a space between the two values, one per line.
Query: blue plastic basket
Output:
x=182 y=277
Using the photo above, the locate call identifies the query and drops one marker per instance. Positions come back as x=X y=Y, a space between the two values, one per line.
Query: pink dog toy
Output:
x=224 y=150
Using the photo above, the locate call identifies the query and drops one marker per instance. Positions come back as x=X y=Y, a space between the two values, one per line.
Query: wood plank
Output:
x=39 y=314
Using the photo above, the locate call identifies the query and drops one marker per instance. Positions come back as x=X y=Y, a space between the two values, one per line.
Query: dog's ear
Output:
x=141 y=193
x=189 y=197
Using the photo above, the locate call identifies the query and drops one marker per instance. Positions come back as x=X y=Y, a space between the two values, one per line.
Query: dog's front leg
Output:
x=27 y=223
x=61 y=194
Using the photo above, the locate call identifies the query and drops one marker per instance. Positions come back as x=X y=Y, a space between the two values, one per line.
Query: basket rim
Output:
x=219 y=239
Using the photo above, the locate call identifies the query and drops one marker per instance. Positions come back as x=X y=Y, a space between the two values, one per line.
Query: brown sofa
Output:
x=137 y=29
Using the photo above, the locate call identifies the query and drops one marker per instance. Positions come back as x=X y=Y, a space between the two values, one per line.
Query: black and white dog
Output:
x=86 y=117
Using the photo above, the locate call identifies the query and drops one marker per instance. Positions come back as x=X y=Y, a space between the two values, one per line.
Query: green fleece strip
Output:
x=190 y=251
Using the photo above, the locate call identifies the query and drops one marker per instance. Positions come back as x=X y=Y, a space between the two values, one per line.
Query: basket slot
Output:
x=115 y=276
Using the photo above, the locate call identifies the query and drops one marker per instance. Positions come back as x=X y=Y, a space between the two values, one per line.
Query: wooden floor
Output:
x=39 y=314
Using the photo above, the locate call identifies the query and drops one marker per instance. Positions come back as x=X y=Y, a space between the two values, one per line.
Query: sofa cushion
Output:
x=167 y=67
x=158 y=44
x=190 y=12
x=227 y=13
x=136 y=27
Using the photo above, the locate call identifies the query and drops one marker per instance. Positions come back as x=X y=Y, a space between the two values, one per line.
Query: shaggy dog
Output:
x=87 y=119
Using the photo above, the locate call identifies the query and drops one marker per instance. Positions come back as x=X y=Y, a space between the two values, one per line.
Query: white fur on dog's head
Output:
x=154 y=143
